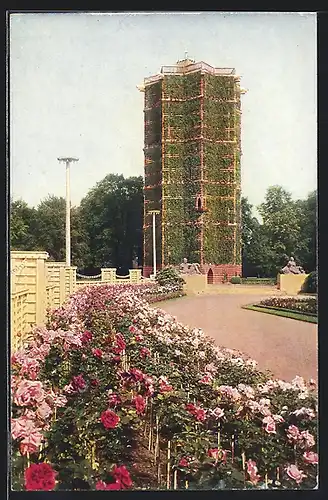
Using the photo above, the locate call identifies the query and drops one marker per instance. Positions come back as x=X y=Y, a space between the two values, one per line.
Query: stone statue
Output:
x=292 y=268
x=187 y=268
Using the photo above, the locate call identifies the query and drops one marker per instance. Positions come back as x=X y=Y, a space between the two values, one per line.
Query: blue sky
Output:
x=73 y=92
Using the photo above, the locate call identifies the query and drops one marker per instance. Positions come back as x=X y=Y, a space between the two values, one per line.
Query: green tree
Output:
x=282 y=226
x=50 y=230
x=256 y=252
x=112 y=214
x=50 y=227
x=307 y=251
x=22 y=226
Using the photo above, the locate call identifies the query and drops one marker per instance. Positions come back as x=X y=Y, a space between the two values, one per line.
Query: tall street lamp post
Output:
x=67 y=161
x=154 y=213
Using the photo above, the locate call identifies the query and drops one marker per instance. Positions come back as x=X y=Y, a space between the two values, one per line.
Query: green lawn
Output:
x=283 y=312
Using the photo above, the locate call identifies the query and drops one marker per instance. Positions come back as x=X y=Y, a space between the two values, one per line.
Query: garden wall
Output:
x=195 y=283
x=220 y=273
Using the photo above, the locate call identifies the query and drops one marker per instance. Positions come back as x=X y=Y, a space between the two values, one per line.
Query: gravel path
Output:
x=285 y=346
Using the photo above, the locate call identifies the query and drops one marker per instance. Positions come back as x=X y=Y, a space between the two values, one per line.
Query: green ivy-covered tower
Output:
x=192 y=168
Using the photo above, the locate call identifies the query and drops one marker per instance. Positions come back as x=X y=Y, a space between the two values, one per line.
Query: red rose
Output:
x=114 y=399
x=122 y=475
x=86 y=337
x=40 y=477
x=197 y=412
x=101 y=485
x=140 y=404
x=144 y=352
x=94 y=382
x=184 y=462
x=97 y=353
x=165 y=387
x=120 y=344
x=190 y=407
x=109 y=419
x=137 y=374
x=213 y=453
x=78 y=383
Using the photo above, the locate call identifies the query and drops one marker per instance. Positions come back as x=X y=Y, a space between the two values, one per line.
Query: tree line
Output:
x=106 y=228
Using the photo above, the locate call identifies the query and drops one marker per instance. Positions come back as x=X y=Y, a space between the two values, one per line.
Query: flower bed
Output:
x=115 y=394
x=285 y=313
x=306 y=305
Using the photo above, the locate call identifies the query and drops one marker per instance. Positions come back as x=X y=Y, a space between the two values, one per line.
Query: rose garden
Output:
x=114 y=393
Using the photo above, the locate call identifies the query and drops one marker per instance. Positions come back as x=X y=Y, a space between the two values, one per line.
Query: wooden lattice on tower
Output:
x=192 y=167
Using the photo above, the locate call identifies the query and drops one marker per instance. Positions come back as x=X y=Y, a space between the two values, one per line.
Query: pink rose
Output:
x=57 y=400
x=31 y=443
x=211 y=368
x=304 y=412
x=278 y=418
x=264 y=410
x=217 y=412
x=20 y=426
x=25 y=428
x=270 y=425
x=230 y=392
x=307 y=439
x=30 y=367
x=28 y=392
x=310 y=457
x=294 y=473
x=252 y=471
x=44 y=411
x=293 y=433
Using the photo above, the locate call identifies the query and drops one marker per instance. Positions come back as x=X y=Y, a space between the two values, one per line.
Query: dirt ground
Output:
x=285 y=346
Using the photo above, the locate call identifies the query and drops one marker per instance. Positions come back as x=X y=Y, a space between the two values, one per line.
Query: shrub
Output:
x=259 y=281
x=235 y=280
x=310 y=284
x=169 y=276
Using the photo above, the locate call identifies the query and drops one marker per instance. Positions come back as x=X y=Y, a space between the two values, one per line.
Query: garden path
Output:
x=284 y=346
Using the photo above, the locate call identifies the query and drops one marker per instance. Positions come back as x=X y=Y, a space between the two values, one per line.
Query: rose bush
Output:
x=116 y=394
